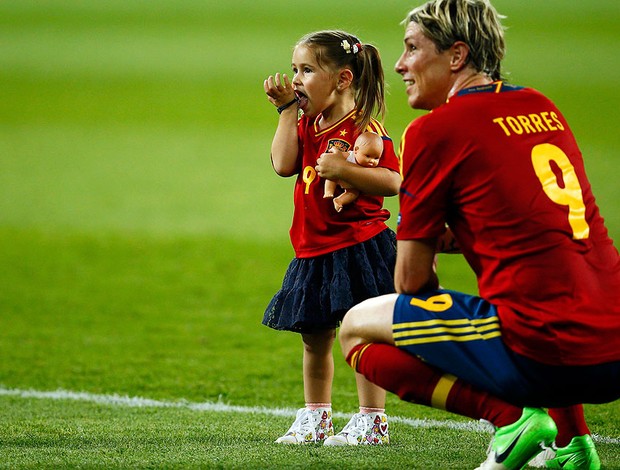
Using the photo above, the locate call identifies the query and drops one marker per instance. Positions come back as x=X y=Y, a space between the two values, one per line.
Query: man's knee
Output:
x=368 y=322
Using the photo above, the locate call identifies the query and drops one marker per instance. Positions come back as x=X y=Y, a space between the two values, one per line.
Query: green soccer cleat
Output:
x=579 y=454
x=513 y=446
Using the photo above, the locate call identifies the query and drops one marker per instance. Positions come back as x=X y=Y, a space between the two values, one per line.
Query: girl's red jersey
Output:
x=317 y=228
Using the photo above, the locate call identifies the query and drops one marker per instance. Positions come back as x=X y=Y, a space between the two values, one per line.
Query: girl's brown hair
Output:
x=336 y=50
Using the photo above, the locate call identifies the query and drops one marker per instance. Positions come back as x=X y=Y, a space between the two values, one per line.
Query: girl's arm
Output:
x=285 y=146
x=376 y=181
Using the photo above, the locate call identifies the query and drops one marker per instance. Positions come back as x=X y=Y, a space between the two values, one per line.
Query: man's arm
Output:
x=414 y=271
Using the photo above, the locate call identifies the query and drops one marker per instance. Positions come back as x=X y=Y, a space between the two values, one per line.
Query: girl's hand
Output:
x=330 y=164
x=279 y=90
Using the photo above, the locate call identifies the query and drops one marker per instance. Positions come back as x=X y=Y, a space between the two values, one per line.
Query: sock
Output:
x=570 y=421
x=368 y=410
x=415 y=381
x=316 y=406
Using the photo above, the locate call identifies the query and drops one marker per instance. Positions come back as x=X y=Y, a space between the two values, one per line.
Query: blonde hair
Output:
x=474 y=22
x=335 y=50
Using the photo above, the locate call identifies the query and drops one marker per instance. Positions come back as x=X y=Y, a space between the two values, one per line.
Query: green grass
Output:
x=44 y=436
x=143 y=230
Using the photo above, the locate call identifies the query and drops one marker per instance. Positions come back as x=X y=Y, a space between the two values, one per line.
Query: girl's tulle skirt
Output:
x=317 y=292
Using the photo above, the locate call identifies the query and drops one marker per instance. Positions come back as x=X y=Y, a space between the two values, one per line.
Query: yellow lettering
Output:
x=540 y=127
x=514 y=125
x=555 y=117
x=500 y=121
x=527 y=125
x=548 y=121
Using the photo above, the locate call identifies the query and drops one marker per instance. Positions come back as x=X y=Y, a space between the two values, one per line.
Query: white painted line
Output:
x=139 y=402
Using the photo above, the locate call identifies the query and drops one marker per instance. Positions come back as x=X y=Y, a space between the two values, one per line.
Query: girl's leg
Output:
x=313 y=422
x=370 y=425
x=371 y=396
x=318 y=366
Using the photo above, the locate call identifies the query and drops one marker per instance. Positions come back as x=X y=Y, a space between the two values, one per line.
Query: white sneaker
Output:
x=362 y=429
x=540 y=461
x=309 y=426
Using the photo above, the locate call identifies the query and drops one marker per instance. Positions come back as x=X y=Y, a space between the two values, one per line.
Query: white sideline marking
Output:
x=139 y=402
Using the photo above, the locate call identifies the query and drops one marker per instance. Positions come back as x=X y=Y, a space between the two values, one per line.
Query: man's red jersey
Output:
x=501 y=167
x=317 y=228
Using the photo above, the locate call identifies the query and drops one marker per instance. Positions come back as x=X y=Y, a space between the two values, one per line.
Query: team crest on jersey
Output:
x=340 y=144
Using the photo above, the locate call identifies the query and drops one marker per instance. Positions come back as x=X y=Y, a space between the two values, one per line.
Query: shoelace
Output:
x=356 y=428
x=302 y=421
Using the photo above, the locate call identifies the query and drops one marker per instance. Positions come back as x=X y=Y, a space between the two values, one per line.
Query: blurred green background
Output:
x=149 y=117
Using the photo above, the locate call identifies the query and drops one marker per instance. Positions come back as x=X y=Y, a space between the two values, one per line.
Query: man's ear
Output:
x=345 y=79
x=460 y=56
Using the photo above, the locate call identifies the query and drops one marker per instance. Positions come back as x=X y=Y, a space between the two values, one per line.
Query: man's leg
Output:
x=367 y=342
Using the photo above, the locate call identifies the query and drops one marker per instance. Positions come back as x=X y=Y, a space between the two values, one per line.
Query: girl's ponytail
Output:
x=370 y=91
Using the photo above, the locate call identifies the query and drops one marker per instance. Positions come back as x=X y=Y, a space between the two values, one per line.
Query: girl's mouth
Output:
x=302 y=99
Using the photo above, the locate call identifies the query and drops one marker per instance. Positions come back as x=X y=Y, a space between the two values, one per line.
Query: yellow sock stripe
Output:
x=442 y=389
x=357 y=356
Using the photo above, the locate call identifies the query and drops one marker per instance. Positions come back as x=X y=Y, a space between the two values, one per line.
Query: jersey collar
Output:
x=495 y=87
x=319 y=132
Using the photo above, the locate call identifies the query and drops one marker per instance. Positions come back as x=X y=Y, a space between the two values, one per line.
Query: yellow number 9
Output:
x=435 y=303
x=570 y=195
x=308 y=176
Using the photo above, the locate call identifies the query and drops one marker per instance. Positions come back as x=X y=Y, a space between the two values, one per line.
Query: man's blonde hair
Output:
x=474 y=22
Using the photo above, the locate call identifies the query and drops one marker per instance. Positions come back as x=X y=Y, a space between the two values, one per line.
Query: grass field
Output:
x=132 y=273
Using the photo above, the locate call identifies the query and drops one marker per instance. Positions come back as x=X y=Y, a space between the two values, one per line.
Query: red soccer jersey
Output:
x=317 y=228
x=501 y=167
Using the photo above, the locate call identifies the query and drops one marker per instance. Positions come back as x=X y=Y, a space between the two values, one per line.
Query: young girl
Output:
x=341 y=258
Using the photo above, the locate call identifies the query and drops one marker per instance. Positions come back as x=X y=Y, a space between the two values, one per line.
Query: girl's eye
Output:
x=307 y=70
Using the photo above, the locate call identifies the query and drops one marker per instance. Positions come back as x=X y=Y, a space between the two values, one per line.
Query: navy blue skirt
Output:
x=317 y=292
